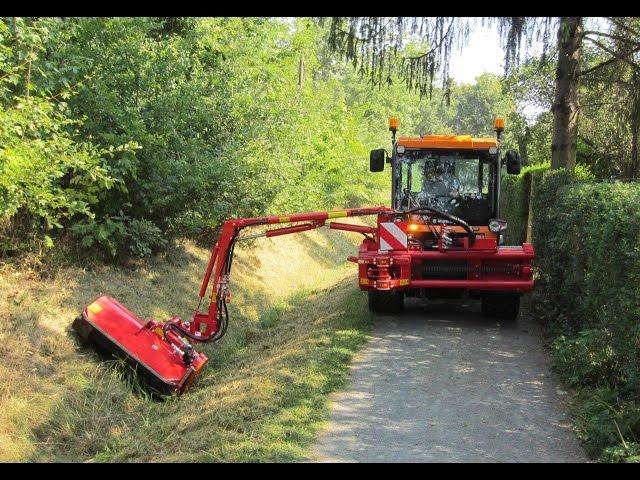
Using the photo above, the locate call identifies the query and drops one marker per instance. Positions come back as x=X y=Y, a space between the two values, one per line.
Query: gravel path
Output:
x=441 y=383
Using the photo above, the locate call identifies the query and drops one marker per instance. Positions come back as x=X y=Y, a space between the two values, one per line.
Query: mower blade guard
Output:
x=110 y=326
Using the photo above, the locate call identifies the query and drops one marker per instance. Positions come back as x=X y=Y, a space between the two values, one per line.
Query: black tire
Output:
x=504 y=306
x=386 y=302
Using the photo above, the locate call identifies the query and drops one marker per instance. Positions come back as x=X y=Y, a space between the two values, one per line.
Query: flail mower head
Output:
x=165 y=366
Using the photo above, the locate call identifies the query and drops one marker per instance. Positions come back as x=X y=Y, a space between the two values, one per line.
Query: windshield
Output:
x=451 y=182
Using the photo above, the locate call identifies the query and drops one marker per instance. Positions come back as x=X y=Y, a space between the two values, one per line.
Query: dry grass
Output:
x=297 y=317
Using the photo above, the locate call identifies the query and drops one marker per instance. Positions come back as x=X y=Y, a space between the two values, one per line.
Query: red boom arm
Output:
x=210 y=326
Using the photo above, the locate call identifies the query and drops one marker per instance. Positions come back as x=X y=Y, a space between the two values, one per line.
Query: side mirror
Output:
x=513 y=162
x=376 y=160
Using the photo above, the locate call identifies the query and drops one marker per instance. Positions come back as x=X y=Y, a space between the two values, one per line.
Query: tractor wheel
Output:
x=386 y=302
x=504 y=306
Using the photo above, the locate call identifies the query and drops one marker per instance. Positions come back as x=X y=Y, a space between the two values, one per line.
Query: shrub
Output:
x=608 y=425
x=143 y=238
x=628 y=453
x=585 y=237
x=587 y=275
x=588 y=359
x=588 y=267
x=46 y=176
x=120 y=236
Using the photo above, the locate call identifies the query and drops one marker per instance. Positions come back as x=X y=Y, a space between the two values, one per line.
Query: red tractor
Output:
x=441 y=238
x=444 y=237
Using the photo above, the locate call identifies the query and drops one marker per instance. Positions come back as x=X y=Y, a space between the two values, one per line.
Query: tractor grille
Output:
x=447 y=269
x=459 y=270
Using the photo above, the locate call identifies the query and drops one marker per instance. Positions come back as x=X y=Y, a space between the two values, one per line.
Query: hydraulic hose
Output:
x=448 y=216
x=222 y=306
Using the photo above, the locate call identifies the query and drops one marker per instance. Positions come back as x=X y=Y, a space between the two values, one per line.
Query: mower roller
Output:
x=441 y=238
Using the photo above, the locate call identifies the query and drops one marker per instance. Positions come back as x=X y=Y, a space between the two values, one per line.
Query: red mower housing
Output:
x=163 y=365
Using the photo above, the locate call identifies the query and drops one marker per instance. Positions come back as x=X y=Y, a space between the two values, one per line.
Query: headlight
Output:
x=496 y=226
x=400 y=149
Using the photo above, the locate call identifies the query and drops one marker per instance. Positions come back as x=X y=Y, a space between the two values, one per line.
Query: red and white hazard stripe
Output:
x=392 y=237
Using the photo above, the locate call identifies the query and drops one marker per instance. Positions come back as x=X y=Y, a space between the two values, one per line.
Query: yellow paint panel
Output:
x=94 y=308
x=337 y=214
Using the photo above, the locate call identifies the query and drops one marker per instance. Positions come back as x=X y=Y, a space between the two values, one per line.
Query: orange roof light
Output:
x=498 y=124
x=413 y=227
x=393 y=123
x=459 y=142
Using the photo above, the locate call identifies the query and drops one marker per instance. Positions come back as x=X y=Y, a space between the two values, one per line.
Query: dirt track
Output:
x=442 y=383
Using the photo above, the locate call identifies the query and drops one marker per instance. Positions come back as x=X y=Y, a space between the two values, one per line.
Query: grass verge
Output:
x=297 y=319
x=605 y=405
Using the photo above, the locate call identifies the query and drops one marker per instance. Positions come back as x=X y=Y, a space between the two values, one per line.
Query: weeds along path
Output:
x=441 y=383
x=297 y=319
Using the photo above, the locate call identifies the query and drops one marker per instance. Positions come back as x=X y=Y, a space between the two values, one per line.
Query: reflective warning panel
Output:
x=392 y=237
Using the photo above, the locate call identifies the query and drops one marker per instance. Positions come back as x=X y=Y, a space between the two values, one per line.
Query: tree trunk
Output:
x=565 y=106
x=634 y=165
x=523 y=143
x=301 y=72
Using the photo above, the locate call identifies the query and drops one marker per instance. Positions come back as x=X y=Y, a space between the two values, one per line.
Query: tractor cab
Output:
x=459 y=182
x=455 y=174
x=444 y=238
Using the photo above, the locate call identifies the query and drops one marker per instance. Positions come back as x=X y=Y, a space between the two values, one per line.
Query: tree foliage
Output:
x=120 y=134
x=377 y=46
x=608 y=103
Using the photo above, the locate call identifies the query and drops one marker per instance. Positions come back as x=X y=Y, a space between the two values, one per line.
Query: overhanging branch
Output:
x=612 y=52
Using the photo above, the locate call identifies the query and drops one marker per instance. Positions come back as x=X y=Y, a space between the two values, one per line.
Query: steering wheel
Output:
x=450 y=199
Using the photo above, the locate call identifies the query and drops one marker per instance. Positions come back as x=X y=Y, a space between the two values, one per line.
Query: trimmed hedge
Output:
x=586 y=235
x=515 y=191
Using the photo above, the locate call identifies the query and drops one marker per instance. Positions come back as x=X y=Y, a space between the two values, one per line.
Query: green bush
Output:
x=47 y=177
x=588 y=359
x=585 y=235
x=514 y=208
x=120 y=236
x=608 y=425
x=143 y=238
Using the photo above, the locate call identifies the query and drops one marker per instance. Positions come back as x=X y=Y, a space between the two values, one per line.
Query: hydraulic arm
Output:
x=160 y=351
x=211 y=325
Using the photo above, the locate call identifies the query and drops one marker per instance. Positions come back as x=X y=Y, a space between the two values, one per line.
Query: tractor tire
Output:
x=386 y=302
x=504 y=306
